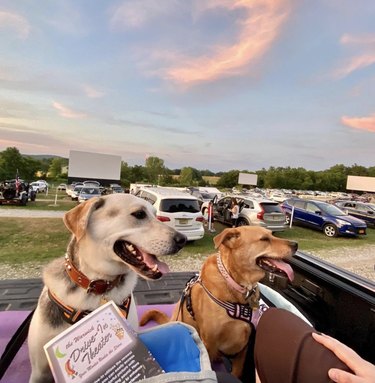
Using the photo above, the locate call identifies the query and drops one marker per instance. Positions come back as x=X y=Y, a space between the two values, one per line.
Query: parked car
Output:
x=255 y=212
x=16 y=192
x=61 y=187
x=323 y=216
x=75 y=192
x=177 y=209
x=364 y=211
x=115 y=188
x=39 y=186
x=87 y=193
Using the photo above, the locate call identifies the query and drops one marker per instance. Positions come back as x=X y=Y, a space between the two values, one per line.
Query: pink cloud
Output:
x=67 y=112
x=361 y=123
x=91 y=92
x=358 y=40
x=354 y=64
x=257 y=32
x=16 y=23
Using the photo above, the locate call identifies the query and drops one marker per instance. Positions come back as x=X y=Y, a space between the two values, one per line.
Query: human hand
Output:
x=364 y=372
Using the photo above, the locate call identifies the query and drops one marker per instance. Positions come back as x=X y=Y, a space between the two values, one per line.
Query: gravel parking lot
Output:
x=360 y=261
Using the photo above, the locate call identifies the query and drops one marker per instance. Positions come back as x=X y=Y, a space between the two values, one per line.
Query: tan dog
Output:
x=115 y=239
x=221 y=300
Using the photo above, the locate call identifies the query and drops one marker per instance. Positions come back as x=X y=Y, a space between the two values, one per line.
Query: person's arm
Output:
x=363 y=371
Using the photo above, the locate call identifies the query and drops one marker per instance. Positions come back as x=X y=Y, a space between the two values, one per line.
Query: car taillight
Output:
x=162 y=218
x=260 y=215
x=200 y=219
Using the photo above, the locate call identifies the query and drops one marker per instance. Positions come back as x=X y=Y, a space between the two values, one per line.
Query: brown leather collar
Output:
x=96 y=286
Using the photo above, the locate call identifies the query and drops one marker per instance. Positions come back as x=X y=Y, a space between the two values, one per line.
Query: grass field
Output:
x=41 y=239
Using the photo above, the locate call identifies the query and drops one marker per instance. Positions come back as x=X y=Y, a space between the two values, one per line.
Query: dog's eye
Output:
x=139 y=214
x=265 y=239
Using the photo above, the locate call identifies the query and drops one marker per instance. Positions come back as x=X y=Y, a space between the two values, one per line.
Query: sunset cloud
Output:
x=358 y=61
x=137 y=13
x=354 y=64
x=358 y=40
x=67 y=112
x=91 y=92
x=16 y=23
x=257 y=31
x=361 y=123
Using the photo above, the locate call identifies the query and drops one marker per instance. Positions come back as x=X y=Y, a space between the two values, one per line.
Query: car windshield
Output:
x=179 y=205
x=92 y=191
x=330 y=209
x=208 y=196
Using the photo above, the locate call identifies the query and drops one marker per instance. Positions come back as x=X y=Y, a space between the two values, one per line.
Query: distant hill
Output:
x=43 y=156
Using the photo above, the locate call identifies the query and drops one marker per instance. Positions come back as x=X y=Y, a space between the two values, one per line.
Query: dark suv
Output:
x=16 y=192
x=364 y=211
x=322 y=216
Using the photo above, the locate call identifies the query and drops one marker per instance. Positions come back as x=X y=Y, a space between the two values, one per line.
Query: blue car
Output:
x=323 y=216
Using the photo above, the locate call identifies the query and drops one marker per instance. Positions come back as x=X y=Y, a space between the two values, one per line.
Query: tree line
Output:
x=155 y=172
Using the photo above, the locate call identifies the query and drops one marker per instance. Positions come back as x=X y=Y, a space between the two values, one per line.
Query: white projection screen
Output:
x=361 y=183
x=85 y=165
x=247 y=179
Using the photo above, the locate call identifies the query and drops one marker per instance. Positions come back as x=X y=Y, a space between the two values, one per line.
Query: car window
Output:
x=312 y=208
x=248 y=205
x=172 y=205
x=271 y=207
x=331 y=209
x=299 y=204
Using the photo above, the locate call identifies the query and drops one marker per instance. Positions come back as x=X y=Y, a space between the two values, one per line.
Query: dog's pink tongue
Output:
x=150 y=260
x=284 y=267
x=163 y=267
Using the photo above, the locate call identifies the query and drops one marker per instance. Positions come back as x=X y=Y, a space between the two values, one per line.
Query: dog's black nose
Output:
x=293 y=246
x=180 y=240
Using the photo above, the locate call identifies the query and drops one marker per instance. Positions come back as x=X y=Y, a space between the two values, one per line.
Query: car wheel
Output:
x=330 y=230
x=242 y=222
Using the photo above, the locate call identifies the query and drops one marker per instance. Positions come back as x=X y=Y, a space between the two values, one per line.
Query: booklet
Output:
x=100 y=348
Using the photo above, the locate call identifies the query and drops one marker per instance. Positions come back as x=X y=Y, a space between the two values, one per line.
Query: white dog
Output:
x=115 y=239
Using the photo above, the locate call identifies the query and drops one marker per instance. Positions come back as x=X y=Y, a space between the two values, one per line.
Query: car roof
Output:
x=168 y=192
x=250 y=198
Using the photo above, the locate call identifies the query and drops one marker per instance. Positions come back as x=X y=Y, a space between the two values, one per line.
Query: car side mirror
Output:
x=318 y=212
x=370 y=212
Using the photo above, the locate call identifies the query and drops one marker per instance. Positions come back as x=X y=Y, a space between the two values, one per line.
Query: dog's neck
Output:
x=245 y=291
x=95 y=286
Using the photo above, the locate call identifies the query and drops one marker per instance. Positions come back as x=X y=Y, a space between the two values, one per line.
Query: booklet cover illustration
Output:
x=101 y=348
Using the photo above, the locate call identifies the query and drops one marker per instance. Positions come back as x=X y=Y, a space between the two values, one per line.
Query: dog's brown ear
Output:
x=227 y=237
x=76 y=219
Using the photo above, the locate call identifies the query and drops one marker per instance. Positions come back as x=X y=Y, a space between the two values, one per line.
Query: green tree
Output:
x=55 y=167
x=12 y=161
x=228 y=179
x=154 y=169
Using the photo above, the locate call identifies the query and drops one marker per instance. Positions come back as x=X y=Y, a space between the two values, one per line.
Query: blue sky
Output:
x=212 y=84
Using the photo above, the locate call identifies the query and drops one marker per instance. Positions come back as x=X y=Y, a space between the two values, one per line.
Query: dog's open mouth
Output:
x=145 y=264
x=276 y=266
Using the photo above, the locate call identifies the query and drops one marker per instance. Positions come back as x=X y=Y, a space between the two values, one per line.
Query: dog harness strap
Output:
x=125 y=306
x=186 y=295
x=97 y=286
x=234 y=310
x=69 y=314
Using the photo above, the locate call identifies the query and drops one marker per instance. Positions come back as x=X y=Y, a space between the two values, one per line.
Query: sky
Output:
x=211 y=84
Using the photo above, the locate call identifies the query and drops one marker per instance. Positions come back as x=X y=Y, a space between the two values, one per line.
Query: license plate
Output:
x=361 y=231
x=183 y=221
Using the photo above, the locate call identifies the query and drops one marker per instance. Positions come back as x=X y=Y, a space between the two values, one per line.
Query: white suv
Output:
x=253 y=212
x=177 y=209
